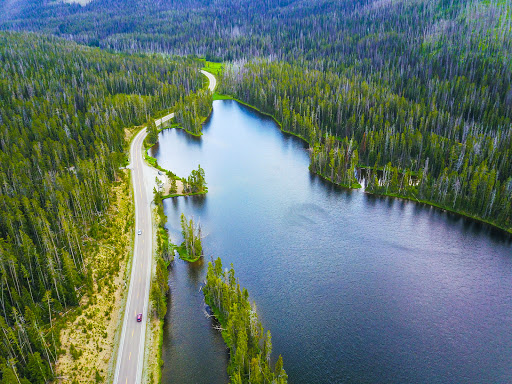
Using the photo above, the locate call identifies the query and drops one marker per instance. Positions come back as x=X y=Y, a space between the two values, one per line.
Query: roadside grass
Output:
x=88 y=342
x=152 y=371
x=215 y=69
x=153 y=357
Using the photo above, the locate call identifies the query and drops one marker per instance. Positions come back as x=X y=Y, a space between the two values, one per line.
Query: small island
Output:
x=191 y=249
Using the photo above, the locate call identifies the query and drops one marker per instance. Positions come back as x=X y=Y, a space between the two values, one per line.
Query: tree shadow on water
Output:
x=197 y=201
x=154 y=151
x=331 y=188
x=195 y=272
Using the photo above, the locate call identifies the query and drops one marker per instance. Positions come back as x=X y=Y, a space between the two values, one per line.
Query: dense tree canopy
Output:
x=63 y=111
x=423 y=86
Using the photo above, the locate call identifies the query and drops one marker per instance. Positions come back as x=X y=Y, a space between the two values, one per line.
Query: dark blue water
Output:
x=354 y=288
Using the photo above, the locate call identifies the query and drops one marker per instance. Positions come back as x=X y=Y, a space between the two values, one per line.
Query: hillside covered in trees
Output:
x=427 y=112
x=63 y=113
x=418 y=90
x=420 y=150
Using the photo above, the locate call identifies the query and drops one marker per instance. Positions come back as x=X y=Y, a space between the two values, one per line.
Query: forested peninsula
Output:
x=250 y=346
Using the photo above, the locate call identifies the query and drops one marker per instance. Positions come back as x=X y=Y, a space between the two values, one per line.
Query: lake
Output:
x=354 y=288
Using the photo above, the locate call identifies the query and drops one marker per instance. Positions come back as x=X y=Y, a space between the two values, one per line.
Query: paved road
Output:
x=131 y=347
x=211 y=86
x=130 y=357
x=159 y=122
x=211 y=78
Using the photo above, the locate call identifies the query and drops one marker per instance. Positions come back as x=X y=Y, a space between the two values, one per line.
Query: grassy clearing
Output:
x=88 y=342
x=218 y=96
x=214 y=68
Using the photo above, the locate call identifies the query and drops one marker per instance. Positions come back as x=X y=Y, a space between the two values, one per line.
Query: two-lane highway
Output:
x=130 y=357
x=131 y=348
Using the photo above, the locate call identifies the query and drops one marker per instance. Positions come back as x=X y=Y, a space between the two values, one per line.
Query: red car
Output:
x=139 y=317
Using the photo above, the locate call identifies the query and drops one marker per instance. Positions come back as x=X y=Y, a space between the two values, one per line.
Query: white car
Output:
x=139 y=232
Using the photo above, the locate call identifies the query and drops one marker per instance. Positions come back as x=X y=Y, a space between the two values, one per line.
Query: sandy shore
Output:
x=164 y=184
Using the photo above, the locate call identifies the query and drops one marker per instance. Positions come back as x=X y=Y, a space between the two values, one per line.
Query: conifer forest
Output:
x=63 y=113
x=409 y=99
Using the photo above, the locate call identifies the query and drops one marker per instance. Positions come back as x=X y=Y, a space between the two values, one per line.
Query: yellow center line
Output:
x=133 y=330
x=130 y=357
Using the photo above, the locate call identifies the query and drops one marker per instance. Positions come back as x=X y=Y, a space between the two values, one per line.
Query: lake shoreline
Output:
x=369 y=267
x=423 y=202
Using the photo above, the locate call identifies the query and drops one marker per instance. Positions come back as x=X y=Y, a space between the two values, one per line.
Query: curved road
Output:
x=212 y=79
x=130 y=357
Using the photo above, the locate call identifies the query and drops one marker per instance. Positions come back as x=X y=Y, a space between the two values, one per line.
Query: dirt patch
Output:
x=164 y=185
x=89 y=340
x=130 y=132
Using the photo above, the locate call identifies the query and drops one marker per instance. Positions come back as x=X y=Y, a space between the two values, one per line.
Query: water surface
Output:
x=354 y=288
x=194 y=351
